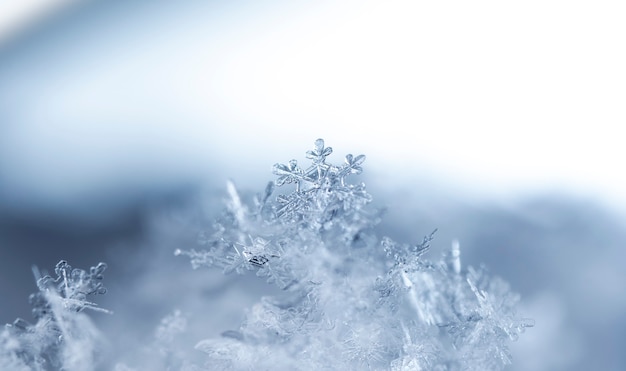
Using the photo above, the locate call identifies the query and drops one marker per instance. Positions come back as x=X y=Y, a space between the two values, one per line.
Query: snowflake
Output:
x=74 y=285
x=351 y=300
x=63 y=337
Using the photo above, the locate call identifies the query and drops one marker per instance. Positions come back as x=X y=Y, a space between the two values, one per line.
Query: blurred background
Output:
x=496 y=122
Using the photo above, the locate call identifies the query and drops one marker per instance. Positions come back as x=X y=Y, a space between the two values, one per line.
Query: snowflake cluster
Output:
x=62 y=337
x=351 y=300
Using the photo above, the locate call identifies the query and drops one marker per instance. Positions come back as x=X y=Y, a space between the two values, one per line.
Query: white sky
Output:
x=497 y=97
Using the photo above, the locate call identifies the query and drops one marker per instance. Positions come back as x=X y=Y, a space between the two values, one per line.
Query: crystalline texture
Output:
x=63 y=337
x=352 y=300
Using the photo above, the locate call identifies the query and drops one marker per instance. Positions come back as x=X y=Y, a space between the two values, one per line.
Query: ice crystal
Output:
x=62 y=337
x=351 y=300
x=73 y=285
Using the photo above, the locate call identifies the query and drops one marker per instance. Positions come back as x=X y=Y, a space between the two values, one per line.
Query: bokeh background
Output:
x=499 y=123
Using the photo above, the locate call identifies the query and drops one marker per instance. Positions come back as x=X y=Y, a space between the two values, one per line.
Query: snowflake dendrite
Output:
x=352 y=300
x=62 y=338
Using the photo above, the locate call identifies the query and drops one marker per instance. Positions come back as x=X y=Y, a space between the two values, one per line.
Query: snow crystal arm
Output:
x=352 y=166
x=318 y=155
x=290 y=173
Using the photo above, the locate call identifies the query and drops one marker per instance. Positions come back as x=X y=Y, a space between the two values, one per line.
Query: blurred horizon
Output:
x=105 y=90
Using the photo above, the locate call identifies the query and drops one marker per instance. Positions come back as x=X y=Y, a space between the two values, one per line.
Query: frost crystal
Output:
x=62 y=338
x=73 y=286
x=351 y=300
